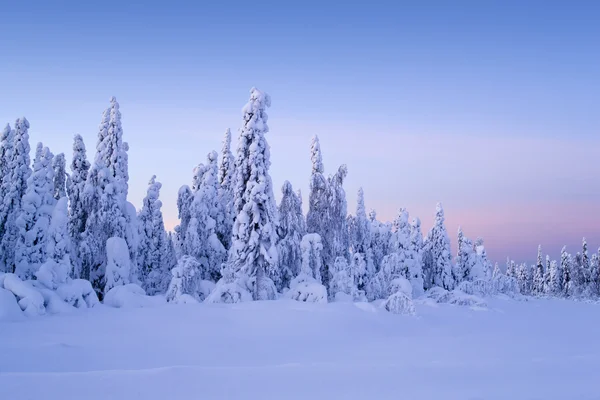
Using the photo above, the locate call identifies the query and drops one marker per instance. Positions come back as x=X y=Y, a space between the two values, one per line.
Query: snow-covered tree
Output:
x=6 y=152
x=568 y=288
x=184 y=279
x=586 y=272
x=253 y=250
x=118 y=263
x=105 y=198
x=185 y=196
x=34 y=220
x=78 y=211
x=510 y=268
x=291 y=230
x=58 y=240
x=226 y=175
x=415 y=262
x=483 y=261
x=201 y=240
x=381 y=235
x=153 y=256
x=595 y=274
x=318 y=218
x=361 y=242
x=496 y=271
x=342 y=280
x=338 y=211
x=538 y=276
x=60 y=176
x=438 y=259
x=14 y=185
x=311 y=247
x=555 y=285
x=524 y=279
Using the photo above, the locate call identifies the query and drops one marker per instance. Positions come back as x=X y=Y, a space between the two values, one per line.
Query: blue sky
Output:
x=488 y=106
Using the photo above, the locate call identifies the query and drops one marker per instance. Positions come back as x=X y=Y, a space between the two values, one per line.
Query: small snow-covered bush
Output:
x=307 y=289
x=131 y=296
x=399 y=303
x=230 y=291
x=9 y=308
x=53 y=304
x=460 y=298
x=29 y=298
x=118 y=264
x=79 y=293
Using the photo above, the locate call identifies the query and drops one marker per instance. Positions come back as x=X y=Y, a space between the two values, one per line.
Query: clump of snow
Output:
x=118 y=263
x=456 y=297
x=400 y=303
x=30 y=300
x=307 y=289
x=53 y=303
x=204 y=289
x=52 y=274
x=9 y=308
x=78 y=293
x=131 y=296
x=402 y=285
x=229 y=290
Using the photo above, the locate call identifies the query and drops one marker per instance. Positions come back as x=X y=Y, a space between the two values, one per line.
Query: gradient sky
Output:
x=491 y=107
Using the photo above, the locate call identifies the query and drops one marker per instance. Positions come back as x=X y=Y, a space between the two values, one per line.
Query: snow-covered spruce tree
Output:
x=57 y=269
x=291 y=230
x=14 y=185
x=496 y=271
x=380 y=240
x=341 y=286
x=586 y=273
x=595 y=274
x=253 y=250
x=105 y=198
x=6 y=151
x=34 y=220
x=415 y=265
x=483 y=261
x=565 y=267
x=185 y=196
x=338 y=209
x=510 y=271
x=184 y=279
x=226 y=175
x=547 y=275
x=555 y=286
x=362 y=239
x=153 y=250
x=524 y=279
x=60 y=176
x=205 y=212
x=311 y=247
x=318 y=218
x=437 y=245
x=462 y=266
x=78 y=212
x=118 y=263
x=538 y=276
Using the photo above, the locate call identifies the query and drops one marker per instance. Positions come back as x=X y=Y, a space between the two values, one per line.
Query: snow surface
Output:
x=537 y=349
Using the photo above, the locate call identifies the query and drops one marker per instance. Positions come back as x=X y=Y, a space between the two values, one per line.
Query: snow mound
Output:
x=9 y=309
x=456 y=297
x=53 y=304
x=78 y=293
x=52 y=274
x=131 y=296
x=229 y=292
x=341 y=297
x=400 y=303
x=186 y=299
x=30 y=299
x=307 y=289
x=204 y=289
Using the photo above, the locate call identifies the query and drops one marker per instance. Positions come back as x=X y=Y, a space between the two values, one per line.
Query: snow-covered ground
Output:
x=537 y=349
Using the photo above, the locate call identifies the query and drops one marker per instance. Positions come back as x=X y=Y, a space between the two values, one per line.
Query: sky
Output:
x=490 y=107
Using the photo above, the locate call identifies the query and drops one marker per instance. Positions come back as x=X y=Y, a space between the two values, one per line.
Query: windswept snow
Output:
x=538 y=349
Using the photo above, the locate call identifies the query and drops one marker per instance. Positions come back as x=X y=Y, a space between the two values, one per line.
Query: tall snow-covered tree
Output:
x=226 y=175
x=318 y=218
x=6 y=151
x=185 y=196
x=205 y=212
x=78 y=211
x=565 y=267
x=60 y=176
x=483 y=260
x=380 y=240
x=34 y=220
x=153 y=261
x=338 y=211
x=58 y=247
x=291 y=230
x=105 y=198
x=14 y=185
x=586 y=272
x=416 y=276
x=524 y=279
x=438 y=260
x=595 y=274
x=253 y=250
x=538 y=276
x=362 y=237
x=496 y=271
x=555 y=286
